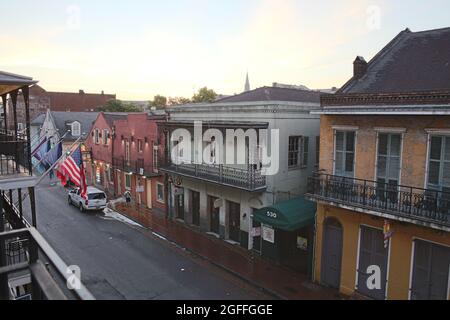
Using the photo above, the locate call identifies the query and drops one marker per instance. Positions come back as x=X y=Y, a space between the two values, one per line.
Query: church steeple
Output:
x=247 y=84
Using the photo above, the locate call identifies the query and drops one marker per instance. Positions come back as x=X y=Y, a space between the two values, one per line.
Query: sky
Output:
x=140 y=48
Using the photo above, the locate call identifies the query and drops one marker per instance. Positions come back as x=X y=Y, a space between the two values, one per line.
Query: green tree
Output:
x=176 y=101
x=158 y=102
x=119 y=106
x=204 y=95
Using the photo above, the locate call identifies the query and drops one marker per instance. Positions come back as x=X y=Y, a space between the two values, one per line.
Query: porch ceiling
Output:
x=10 y=82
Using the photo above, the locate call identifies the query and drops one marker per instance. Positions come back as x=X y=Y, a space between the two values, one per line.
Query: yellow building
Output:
x=383 y=188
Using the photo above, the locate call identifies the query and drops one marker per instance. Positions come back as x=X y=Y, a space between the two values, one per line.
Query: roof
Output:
x=411 y=62
x=62 y=119
x=288 y=215
x=274 y=94
x=10 y=82
x=110 y=117
x=39 y=120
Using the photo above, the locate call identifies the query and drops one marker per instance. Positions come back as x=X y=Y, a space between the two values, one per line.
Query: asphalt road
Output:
x=122 y=261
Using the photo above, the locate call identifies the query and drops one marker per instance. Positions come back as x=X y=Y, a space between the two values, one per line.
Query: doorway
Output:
x=195 y=201
x=179 y=204
x=214 y=214
x=331 y=253
x=149 y=194
x=234 y=216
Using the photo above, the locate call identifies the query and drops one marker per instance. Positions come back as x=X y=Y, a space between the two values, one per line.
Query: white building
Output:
x=221 y=198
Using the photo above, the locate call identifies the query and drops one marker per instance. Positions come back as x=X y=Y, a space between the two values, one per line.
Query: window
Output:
x=388 y=158
x=160 y=192
x=19 y=126
x=96 y=136
x=76 y=129
x=127 y=151
x=298 y=152
x=105 y=136
x=140 y=145
x=155 y=158
x=439 y=163
x=317 y=151
x=128 y=181
x=344 y=153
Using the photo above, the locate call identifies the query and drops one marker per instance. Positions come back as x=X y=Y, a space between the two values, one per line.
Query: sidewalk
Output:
x=280 y=281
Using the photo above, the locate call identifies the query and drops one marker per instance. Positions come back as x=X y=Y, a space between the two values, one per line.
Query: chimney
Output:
x=359 y=67
x=81 y=91
x=103 y=92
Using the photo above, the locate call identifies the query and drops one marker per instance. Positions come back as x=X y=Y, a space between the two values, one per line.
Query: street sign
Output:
x=140 y=189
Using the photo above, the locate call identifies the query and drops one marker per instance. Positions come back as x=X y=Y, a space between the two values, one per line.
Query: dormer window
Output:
x=76 y=129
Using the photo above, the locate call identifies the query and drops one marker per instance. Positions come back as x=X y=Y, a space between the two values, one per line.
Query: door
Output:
x=332 y=253
x=257 y=236
x=431 y=265
x=149 y=194
x=234 y=214
x=195 y=201
x=388 y=165
x=214 y=215
x=179 y=205
x=119 y=182
x=372 y=253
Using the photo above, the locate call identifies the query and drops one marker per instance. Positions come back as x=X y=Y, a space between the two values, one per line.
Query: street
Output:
x=124 y=261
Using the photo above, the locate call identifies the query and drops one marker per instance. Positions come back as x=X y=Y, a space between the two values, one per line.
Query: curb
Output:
x=230 y=271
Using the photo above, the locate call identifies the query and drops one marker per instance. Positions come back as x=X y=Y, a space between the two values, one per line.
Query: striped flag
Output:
x=73 y=168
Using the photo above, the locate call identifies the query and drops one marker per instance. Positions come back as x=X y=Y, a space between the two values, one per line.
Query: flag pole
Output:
x=68 y=154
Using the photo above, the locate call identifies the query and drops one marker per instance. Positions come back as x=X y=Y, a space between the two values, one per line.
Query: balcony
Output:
x=26 y=254
x=420 y=206
x=245 y=177
x=135 y=166
x=14 y=158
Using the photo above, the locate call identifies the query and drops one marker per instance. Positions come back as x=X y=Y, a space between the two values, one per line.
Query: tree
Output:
x=158 y=102
x=204 y=95
x=176 y=101
x=119 y=106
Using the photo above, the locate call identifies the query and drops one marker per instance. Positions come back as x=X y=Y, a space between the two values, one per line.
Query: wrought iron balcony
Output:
x=421 y=205
x=137 y=166
x=14 y=155
x=245 y=177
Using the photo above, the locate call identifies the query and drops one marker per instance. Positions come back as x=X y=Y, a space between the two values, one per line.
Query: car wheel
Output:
x=69 y=201
x=81 y=207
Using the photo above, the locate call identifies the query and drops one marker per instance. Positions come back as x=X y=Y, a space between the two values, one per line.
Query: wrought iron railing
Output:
x=14 y=154
x=405 y=201
x=245 y=176
x=135 y=166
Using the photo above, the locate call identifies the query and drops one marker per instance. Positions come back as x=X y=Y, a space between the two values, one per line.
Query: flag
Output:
x=52 y=156
x=37 y=150
x=40 y=155
x=73 y=168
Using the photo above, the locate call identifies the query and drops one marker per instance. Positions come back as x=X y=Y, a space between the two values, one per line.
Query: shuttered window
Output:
x=439 y=164
x=344 y=151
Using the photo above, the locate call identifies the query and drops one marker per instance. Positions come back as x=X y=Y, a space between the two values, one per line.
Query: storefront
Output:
x=286 y=233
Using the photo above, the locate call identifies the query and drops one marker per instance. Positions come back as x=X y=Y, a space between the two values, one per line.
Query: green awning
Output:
x=288 y=215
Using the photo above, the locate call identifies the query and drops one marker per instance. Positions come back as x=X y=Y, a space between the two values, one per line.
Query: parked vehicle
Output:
x=95 y=199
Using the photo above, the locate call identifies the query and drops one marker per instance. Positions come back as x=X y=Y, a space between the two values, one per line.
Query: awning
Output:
x=288 y=215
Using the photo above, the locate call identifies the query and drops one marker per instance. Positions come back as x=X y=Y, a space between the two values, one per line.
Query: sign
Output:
x=272 y=215
x=218 y=203
x=256 y=232
x=140 y=189
x=268 y=234
x=178 y=191
x=141 y=171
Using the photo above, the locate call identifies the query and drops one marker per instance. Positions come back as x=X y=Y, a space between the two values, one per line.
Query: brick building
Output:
x=383 y=190
x=41 y=100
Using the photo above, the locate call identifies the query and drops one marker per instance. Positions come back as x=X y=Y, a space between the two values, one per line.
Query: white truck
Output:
x=95 y=199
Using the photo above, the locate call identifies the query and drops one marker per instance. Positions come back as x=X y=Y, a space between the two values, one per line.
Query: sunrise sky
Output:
x=137 y=49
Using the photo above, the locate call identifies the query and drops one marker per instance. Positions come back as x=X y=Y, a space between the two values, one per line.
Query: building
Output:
x=29 y=267
x=237 y=202
x=99 y=171
x=71 y=126
x=42 y=100
x=137 y=152
x=383 y=188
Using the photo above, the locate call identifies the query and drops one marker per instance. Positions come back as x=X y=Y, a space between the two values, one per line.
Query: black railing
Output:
x=26 y=249
x=14 y=155
x=246 y=177
x=405 y=201
x=135 y=166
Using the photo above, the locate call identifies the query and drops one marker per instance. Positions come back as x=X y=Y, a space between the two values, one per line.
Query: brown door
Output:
x=179 y=206
x=195 y=198
x=214 y=215
x=234 y=214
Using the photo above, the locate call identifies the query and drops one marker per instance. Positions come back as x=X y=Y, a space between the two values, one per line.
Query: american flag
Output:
x=73 y=168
